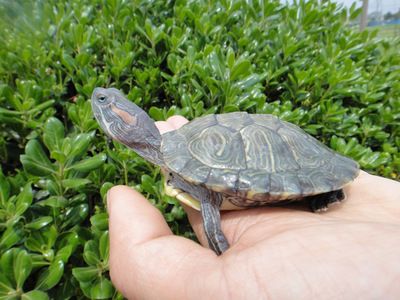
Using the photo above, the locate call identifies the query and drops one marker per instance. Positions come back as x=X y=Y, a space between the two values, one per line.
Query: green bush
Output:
x=302 y=63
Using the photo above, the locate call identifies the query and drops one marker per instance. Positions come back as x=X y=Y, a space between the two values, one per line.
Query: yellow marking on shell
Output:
x=125 y=116
x=227 y=205
x=275 y=196
x=285 y=195
x=250 y=194
x=193 y=202
x=181 y=196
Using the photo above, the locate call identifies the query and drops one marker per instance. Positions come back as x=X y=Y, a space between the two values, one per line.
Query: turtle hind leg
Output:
x=210 y=205
x=322 y=201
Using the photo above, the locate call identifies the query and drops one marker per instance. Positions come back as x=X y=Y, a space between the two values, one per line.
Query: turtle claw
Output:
x=321 y=210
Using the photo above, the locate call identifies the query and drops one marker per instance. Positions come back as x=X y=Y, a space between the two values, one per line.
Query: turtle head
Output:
x=114 y=112
x=126 y=123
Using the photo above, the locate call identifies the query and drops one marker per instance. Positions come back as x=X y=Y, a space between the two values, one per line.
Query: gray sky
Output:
x=375 y=5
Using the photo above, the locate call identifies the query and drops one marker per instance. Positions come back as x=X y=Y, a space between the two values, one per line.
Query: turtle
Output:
x=229 y=161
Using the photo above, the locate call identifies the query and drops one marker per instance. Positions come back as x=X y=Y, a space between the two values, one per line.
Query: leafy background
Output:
x=303 y=63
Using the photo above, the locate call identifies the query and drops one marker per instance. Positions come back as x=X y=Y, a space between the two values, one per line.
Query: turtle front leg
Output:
x=210 y=205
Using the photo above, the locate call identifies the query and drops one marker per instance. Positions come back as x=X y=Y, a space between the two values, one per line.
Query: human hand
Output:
x=349 y=252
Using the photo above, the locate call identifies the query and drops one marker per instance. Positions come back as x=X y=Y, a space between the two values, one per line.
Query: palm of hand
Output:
x=351 y=251
x=286 y=252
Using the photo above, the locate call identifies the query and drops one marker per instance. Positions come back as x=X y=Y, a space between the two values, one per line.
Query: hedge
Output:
x=303 y=63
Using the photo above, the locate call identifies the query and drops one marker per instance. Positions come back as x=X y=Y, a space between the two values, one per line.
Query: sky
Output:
x=375 y=5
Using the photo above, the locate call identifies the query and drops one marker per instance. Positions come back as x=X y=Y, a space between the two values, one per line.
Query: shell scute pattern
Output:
x=234 y=121
x=284 y=185
x=218 y=147
x=321 y=180
x=195 y=172
x=262 y=146
x=197 y=126
x=268 y=121
x=254 y=159
x=253 y=179
x=343 y=166
x=176 y=153
x=223 y=179
x=306 y=151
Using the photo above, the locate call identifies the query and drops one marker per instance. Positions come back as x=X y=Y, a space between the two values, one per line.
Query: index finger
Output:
x=172 y=123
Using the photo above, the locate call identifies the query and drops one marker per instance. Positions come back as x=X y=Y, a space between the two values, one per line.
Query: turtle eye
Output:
x=102 y=98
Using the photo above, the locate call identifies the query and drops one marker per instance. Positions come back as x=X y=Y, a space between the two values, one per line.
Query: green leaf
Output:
x=68 y=61
x=5 y=286
x=22 y=268
x=24 y=200
x=85 y=274
x=75 y=183
x=240 y=69
x=43 y=106
x=248 y=82
x=89 y=164
x=230 y=58
x=148 y=184
x=70 y=239
x=54 y=201
x=10 y=237
x=91 y=253
x=51 y=276
x=230 y=108
x=59 y=156
x=34 y=295
x=86 y=287
x=104 y=247
x=217 y=65
x=35 y=161
x=100 y=221
x=4 y=188
x=64 y=253
x=373 y=160
x=39 y=222
x=76 y=215
x=104 y=189
x=156 y=113
x=50 y=233
x=102 y=289
x=7 y=261
x=80 y=144
x=35 y=242
x=53 y=134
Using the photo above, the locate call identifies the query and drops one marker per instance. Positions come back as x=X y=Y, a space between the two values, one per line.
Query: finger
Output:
x=177 y=121
x=164 y=126
x=196 y=221
x=133 y=211
x=172 y=123
x=145 y=258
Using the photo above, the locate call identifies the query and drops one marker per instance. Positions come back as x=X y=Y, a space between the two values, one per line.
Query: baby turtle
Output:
x=229 y=161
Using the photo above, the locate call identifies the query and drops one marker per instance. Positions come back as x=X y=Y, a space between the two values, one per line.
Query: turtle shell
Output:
x=254 y=158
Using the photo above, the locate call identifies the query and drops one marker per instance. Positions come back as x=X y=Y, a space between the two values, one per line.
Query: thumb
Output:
x=146 y=259
x=133 y=218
